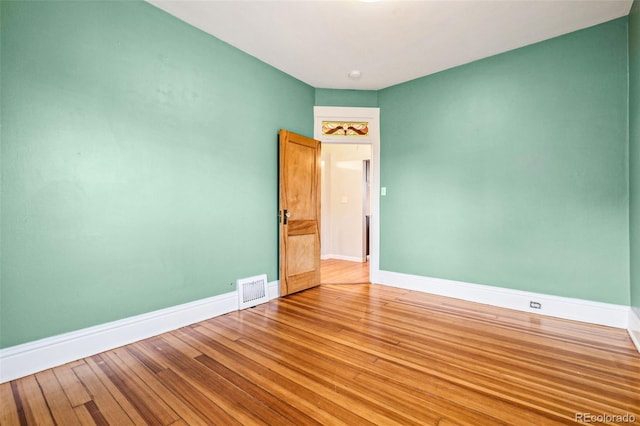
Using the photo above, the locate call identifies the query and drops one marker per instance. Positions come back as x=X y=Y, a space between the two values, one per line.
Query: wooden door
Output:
x=299 y=168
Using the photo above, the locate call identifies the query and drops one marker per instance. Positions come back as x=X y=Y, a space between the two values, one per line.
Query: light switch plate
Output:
x=383 y=191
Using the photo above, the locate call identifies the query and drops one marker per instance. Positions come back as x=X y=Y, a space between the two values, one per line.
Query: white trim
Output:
x=29 y=358
x=562 y=307
x=372 y=115
x=274 y=289
x=634 y=328
x=341 y=257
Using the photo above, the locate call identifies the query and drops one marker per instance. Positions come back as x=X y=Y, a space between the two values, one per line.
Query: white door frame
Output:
x=372 y=116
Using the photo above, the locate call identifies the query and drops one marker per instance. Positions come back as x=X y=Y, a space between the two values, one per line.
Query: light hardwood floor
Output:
x=334 y=271
x=346 y=355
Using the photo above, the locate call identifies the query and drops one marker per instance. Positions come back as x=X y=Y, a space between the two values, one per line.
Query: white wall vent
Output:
x=252 y=291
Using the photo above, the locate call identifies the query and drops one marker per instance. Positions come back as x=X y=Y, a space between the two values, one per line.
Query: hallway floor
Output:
x=334 y=271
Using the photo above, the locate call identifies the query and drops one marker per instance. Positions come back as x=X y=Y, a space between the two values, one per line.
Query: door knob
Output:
x=287 y=215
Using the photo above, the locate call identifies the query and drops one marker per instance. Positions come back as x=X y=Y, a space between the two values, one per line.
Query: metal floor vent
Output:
x=252 y=291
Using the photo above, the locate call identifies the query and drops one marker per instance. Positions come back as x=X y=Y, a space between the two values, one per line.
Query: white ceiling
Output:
x=390 y=42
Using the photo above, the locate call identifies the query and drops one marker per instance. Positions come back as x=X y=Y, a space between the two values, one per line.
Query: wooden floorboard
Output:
x=346 y=355
x=336 y=271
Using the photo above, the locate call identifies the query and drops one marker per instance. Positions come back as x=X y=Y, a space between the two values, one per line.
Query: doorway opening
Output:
x=345 y=213
x=357 y=129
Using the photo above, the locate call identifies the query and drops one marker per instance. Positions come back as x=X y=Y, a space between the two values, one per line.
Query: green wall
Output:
x=346 y=98
x=634 y=151
x=138 y=164
x=513 y=171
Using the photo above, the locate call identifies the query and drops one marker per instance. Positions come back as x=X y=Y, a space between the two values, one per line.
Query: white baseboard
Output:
x=29 y=358
x=341 y=257
x=274 y=289
x=561 y=307
x=634 y=328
